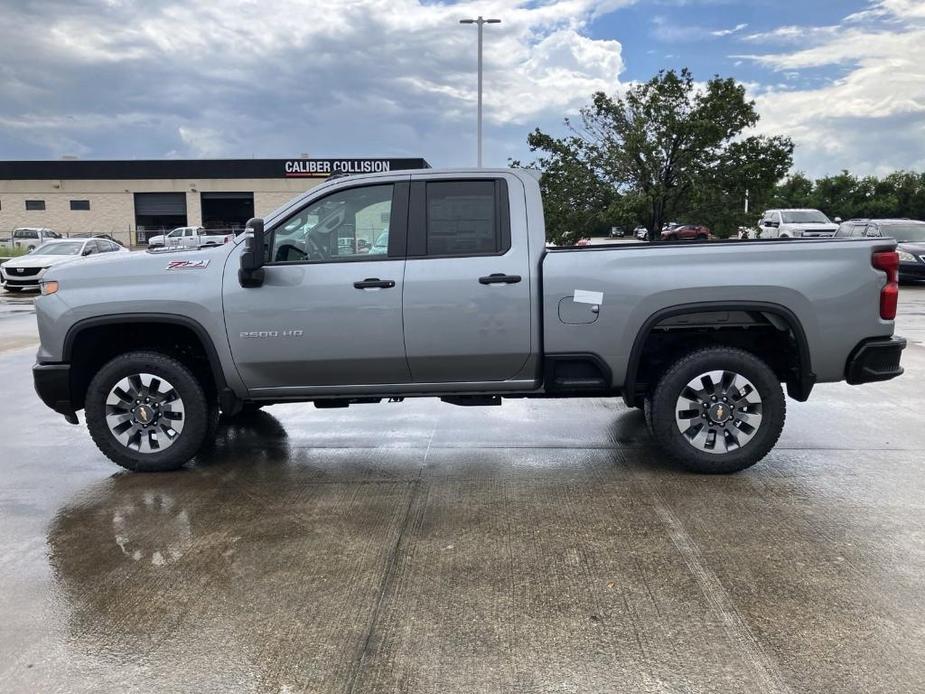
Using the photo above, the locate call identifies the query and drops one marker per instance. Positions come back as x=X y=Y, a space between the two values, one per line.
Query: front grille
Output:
x=15 y=272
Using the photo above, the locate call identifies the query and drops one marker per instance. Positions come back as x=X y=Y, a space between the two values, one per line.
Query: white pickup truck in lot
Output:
x=29 y=238
x=188 y=237
x=465 y=304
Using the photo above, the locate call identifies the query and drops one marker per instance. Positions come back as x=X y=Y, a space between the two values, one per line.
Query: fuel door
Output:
x=575 y=313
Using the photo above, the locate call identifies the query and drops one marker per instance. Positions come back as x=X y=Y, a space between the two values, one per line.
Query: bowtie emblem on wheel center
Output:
x=719 y=413
x=144 y=414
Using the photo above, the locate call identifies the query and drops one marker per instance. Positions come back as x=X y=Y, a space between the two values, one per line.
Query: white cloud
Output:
x=871 y=117
x=728 y=32
x=239 y=77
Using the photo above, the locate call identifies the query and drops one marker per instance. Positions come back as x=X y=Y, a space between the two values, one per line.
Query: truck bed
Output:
x=829 y=286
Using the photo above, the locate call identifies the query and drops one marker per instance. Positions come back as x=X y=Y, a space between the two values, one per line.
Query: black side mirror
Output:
x=254 y=255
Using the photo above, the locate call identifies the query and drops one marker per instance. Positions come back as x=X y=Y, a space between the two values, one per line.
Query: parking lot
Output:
x=542 y=546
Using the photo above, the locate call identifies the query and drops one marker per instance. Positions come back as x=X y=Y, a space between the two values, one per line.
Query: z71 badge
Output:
x=188 y=264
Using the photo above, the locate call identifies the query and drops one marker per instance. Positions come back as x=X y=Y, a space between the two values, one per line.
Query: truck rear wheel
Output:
x=717 y=410
x=147 y=412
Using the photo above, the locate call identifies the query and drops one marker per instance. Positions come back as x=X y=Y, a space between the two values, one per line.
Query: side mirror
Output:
x=254 y=255
x=86 y=251
x=837 y=220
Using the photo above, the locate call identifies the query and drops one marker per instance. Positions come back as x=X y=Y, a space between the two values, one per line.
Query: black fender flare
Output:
x=215 y=364
x=798 y=390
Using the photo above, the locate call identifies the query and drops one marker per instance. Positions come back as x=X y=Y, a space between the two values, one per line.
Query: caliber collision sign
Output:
x=321 y=168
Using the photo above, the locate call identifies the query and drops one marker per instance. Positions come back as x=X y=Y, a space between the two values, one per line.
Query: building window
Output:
x=35 y=205
x=80 y=204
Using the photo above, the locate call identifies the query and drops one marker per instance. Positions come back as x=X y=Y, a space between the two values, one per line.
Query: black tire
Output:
x=661 y=410
x=647 y=412
x=198 y=413
x=13 y=290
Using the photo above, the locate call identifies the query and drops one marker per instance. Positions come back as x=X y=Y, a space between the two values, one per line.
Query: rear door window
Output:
x=460 y=218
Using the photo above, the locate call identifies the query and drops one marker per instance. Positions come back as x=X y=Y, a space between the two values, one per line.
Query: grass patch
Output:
x=7 y=252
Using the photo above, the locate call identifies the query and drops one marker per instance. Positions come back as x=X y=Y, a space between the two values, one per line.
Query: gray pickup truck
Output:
x=463 y=301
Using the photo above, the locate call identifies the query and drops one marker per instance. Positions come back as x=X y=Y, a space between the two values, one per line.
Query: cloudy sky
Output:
x=276 y=78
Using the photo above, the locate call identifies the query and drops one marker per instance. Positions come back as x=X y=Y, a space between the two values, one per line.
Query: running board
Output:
x=473 y=400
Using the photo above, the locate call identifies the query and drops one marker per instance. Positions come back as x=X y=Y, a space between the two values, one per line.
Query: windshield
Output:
x=904 y=232
x=805 y=217
x=59 y=249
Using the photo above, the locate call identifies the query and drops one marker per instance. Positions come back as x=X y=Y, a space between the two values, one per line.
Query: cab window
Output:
x=351 y=224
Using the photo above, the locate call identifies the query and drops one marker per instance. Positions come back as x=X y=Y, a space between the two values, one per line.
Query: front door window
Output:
x=345 y=225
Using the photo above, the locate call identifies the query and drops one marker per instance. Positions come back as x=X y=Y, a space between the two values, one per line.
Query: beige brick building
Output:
x=131 y=200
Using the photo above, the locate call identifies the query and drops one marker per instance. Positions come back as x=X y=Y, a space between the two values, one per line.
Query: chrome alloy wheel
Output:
x=145 y=413
x=718 y=411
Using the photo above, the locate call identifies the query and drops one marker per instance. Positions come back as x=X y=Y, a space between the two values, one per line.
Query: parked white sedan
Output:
x=26 y=271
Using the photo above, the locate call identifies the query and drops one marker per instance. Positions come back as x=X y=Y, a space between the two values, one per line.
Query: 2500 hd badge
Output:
x=271 y=333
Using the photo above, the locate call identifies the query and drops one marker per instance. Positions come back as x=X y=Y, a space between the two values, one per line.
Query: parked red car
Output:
x=687 y=232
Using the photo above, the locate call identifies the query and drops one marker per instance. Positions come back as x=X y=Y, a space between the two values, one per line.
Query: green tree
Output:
x=795 y=191
x=662 y=144
x=749 y=166
x=575 y=199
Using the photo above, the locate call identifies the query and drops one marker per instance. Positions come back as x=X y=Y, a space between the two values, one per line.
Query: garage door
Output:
x=160 y=204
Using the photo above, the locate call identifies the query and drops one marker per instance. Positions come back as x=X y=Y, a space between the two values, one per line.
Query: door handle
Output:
x=374 y=283
x=499 y=278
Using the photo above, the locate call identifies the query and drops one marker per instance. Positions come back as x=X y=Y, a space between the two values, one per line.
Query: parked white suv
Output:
x=795 y=224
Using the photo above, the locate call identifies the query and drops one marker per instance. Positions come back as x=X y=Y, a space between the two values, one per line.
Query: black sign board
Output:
x=86 y=169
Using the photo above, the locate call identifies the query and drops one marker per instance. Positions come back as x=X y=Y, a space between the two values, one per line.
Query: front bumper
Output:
x=13 y=279
x=876 y=359
x=53 y=385
x=31 y=283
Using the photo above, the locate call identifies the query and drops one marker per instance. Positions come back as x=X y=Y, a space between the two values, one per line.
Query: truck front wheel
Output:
x=147 y=412
x=717 y=410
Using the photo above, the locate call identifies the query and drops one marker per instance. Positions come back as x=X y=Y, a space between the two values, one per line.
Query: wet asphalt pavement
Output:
x=421 y=547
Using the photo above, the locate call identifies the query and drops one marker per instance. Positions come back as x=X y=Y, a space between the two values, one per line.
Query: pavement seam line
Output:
x=387 y=580
x=764 y=667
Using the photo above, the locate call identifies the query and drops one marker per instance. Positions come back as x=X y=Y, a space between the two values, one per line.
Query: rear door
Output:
x=466 y=304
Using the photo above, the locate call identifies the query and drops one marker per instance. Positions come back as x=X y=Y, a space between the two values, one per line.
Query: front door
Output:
x=467 y=307
x=329 y=312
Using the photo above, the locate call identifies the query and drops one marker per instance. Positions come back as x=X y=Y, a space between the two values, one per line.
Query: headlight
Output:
x=49 y=287
x=905 y=257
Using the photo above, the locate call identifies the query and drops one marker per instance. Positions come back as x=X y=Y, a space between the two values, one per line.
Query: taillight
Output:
x=888 y=261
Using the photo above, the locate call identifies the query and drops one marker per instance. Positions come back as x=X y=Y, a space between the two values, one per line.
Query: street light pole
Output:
x=480 y=22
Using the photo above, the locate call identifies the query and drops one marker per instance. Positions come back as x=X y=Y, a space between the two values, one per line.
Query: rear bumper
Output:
x=876 y=359
x=53 y=385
